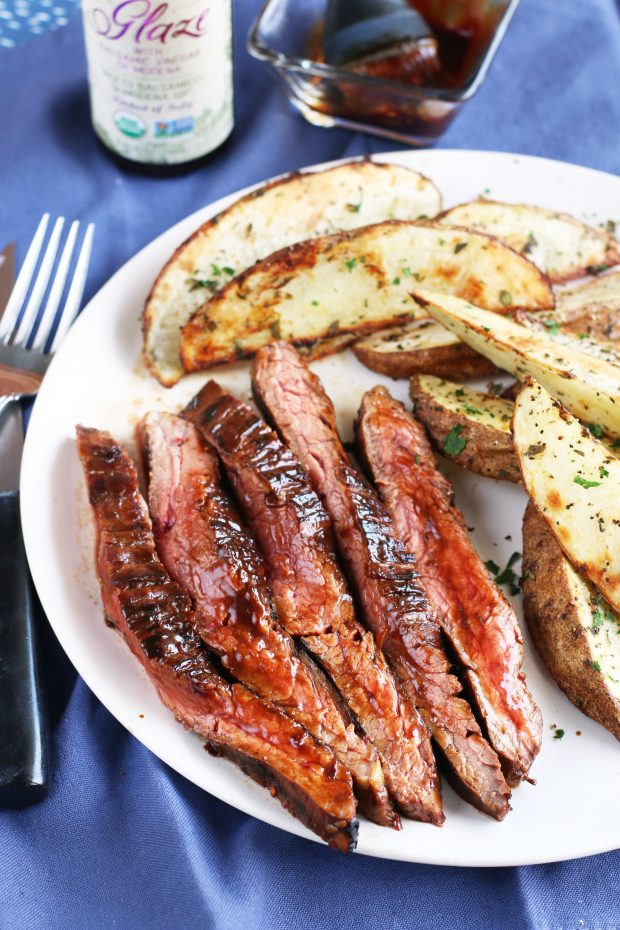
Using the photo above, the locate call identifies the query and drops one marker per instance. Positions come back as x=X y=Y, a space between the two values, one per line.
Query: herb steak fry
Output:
x=382 y=573
x=155 y=617
x=208 y=552
x=296 y=540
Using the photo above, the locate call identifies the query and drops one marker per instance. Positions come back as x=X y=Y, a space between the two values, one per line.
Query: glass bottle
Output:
x=160 y=77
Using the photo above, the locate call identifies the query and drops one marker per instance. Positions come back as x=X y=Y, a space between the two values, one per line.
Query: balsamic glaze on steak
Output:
x=294 y=533
x=382 y=573
x=478 y=620
x=155 y=617
x=205 y=548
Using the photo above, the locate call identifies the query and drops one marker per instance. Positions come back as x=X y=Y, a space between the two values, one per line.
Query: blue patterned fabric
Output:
x=122 y=841
x=20 y=20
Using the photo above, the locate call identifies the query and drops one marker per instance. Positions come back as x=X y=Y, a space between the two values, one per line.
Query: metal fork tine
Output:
x=49 y=313
x=74 y=297
x=29 y=316
x=20 y=289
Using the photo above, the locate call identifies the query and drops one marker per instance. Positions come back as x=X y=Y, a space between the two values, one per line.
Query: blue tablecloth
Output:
x=122 y=841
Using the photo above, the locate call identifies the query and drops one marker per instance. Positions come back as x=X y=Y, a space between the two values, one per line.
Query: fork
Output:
x=25 y=345
x=30 y=333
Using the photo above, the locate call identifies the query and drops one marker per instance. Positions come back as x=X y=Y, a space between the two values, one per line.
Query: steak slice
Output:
x=309 y=590
x=155 y=617
x=204 y=547
x=382 y=573
x=475 y=616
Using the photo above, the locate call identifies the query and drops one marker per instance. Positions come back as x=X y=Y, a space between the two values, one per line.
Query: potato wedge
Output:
x=275 y=215
x=575 y=632
x=357 y=281
x=562 y=246
x=589 y=386
x=575 y=483
x=592 y=308
x=323 y=347
x=552 y=324
x=471 y=428
x=422 y=346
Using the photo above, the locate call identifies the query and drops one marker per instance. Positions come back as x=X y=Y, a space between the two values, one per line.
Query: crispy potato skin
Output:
x=488 y=452
x=443 y=361
x=553 y=619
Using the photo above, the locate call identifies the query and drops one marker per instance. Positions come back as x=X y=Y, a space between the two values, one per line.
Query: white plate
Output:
x=98 y=379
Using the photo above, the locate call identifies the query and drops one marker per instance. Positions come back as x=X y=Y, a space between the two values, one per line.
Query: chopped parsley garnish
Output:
x=473 y=410
x=407 y=272
x=602 y=612
x=459 y=247
x=595 y=429
x=552 y=326
x=315 y=303
x=203 y=282
x=396 y=281
x=596 y=666
x=507 y=576
x=239 y=349
x=228 y=271
x=585 y=483
x=559 y=734
x=417 y=458
x=215 y=270
x=602 y=472
x=351 y=263
x=453 y=443
x=505 y=298
x=460 y=392
x=354 y=207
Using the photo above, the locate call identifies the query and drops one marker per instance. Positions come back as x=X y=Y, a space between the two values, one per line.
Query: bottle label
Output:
x=160 y=76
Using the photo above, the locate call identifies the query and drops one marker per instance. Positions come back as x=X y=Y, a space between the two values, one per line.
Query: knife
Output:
x=23 y=730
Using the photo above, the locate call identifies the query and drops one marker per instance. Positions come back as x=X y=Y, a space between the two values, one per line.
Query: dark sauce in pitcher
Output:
x=463 y=30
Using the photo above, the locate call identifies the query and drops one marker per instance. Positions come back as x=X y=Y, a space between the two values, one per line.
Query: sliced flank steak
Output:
x=155 y=616
x=382 y=574
x=479 y=622
x=207 y=550
x=295 y=536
